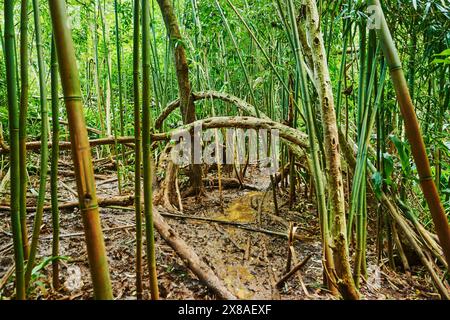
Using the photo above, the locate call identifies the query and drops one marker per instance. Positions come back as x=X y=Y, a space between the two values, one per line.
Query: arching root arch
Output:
x=296 y=140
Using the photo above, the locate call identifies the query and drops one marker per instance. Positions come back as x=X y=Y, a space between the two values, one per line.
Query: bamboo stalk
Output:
x=109 y=91
x=119 y=75
x=13 y=113
x=44 y=149
x=54 y=165
x=98 y=89
x=147 y=152
x=413 y=132
x=119 y=67
x=137 y=150
x=80 y=151
x=24 y=86
x=241 y=61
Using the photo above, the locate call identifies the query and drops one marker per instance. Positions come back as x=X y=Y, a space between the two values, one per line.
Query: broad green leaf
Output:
x=377 y=184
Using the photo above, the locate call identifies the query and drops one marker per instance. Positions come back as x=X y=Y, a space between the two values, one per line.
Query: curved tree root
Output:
x=166 y=196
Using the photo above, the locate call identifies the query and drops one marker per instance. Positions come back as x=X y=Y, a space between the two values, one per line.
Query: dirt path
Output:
x=248 y=262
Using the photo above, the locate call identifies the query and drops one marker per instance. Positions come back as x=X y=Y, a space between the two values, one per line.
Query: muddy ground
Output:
x=248 y=262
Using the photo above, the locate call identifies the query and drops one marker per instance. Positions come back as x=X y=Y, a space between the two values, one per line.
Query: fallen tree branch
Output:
x=102 y=202
x=293 y=271
x=81 y=234
x=231 y=183
x=66 y=145
x=237 y=225
x=190 y=258
x=6 y=277
x=224 y=222
x=289 y=134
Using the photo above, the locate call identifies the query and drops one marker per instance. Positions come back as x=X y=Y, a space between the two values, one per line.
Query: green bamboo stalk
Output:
x=44 y=146
x=54 y=165
x=99 y=92
x=269 y=61
x=137 y=150
x=24 y=63
x=346 y=35
x=119 y=77
x=119 y=68
x=109 y=79
x=80 y=151
x=160 y=87
x=13 y=113
x=147 y=151
x=197 y=39
x=413 y=132
x=2 y=41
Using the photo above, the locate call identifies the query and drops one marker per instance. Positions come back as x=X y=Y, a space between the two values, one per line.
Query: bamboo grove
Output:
x=359 y=94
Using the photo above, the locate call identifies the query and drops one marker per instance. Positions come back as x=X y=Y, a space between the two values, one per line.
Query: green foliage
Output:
x=403 y=153
x=217 y=63
x=444 y=57
x=38 y=278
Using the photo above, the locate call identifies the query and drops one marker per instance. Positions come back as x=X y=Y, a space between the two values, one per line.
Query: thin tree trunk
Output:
x=333 y=159
x=98 y=89
x=314 y=160
x=192 y=260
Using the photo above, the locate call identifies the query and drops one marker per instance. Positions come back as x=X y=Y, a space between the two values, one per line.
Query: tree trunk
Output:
x=333 y=159
x=184 y=86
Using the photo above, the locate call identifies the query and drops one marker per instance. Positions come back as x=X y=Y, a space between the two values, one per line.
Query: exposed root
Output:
x=166 y=196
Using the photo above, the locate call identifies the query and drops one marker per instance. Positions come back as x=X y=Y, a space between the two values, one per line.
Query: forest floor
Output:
x=248 y=262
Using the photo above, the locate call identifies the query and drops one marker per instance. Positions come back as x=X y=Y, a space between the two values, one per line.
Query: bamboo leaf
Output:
x=402 y=153
x=388 y=167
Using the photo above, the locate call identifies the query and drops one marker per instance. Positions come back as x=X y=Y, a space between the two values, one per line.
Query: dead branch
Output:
x=190 y=258
x=288 y=275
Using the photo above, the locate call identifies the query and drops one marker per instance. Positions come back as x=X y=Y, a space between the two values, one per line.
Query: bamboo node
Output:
x=73 y=98
x=395 y=68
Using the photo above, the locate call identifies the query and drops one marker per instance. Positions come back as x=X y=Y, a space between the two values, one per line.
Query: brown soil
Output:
x=249 y=274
